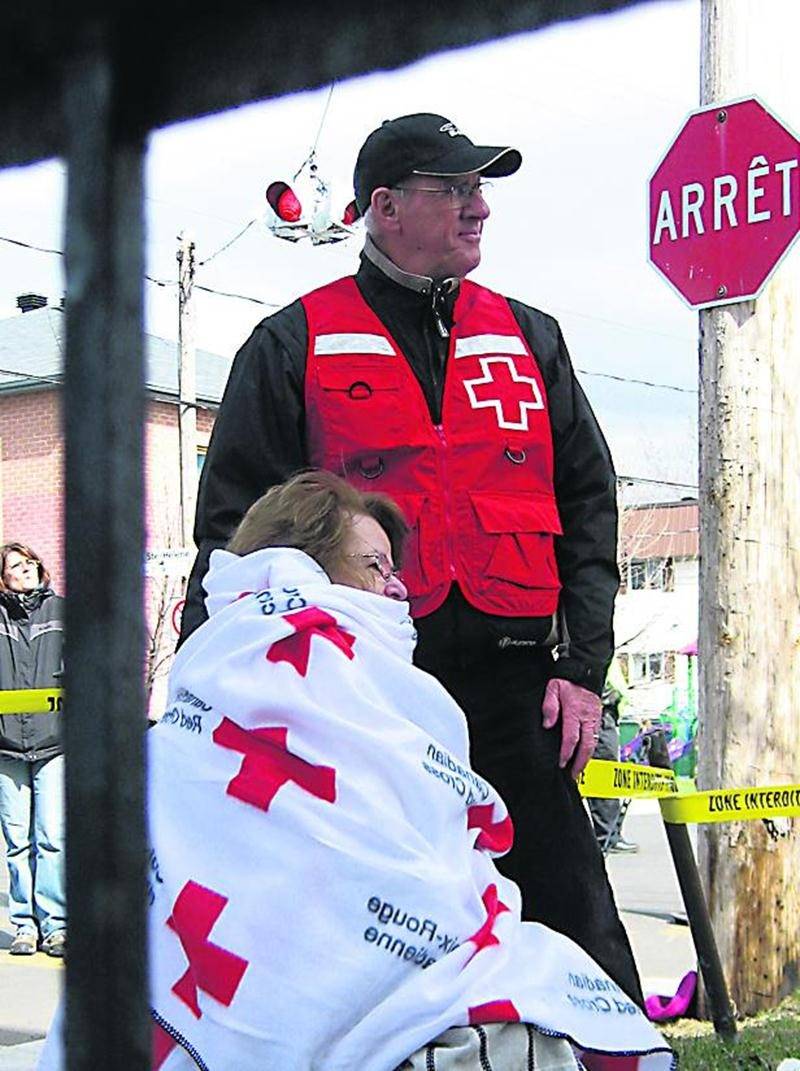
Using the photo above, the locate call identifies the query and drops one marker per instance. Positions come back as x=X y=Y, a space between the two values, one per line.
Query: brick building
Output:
x=32 y=455
x=31 y=440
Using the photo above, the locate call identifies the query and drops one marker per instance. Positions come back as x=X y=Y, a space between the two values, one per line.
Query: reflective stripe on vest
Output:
x=477 y=489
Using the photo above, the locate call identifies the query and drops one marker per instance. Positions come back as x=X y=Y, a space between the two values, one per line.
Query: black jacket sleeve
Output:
x=585 y=486
x=258 y=440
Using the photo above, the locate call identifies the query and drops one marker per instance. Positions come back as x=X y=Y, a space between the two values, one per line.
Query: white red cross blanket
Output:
x=322 y=886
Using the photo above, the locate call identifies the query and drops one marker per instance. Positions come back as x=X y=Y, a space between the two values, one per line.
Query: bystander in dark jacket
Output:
x=31 y=759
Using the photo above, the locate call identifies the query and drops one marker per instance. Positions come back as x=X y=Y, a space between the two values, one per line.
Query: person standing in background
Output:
x=31 y=755
x=607 y=816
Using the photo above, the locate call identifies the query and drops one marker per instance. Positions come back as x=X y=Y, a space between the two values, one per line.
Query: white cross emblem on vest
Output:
x=526 y=393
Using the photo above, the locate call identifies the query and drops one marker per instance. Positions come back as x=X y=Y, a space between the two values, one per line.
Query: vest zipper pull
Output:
x=441 y=326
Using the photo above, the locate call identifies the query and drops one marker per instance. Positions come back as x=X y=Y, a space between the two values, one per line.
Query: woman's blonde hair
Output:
x=312 y=512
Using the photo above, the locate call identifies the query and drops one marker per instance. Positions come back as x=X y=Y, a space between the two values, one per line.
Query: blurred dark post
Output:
x=723 y=1014
x=106 y=1004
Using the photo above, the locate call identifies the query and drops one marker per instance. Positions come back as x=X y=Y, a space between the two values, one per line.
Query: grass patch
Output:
x=762 y=1042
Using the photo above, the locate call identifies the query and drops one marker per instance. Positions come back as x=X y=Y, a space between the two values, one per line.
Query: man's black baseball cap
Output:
x=424 y=144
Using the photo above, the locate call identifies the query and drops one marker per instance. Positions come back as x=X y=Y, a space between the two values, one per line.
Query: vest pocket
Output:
x=516 y=541
x=362 y=397
x=413 y=570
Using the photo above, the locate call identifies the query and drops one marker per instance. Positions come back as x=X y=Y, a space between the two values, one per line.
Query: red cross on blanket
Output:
x=296 y=649
x=602 y=1061
x=493 y=1011
x=484 y=937
x=494 y=836
x=268 y=765
x=215 y=970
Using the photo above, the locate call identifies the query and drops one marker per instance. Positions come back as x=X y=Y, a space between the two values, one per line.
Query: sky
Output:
x=592 y=105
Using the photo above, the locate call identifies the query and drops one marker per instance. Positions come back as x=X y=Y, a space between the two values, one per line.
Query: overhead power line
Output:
x=60 y=253
x=227 y=244
x=658 y=483
x=313 y=151
x=168 y=282
x=640 y=382
x=28 y=245
x=240 y=297
x=275 y=305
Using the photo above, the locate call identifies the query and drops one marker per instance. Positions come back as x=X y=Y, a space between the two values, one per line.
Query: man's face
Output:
x=440 y=225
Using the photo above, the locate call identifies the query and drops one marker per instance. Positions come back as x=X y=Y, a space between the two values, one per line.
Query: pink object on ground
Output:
x=659 y=1008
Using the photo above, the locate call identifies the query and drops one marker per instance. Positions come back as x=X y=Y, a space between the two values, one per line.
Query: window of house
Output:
x=645 y=668
x=655 y=666
x=637 y=574
x=638 y=669
x=201 y=458
x=651 y=573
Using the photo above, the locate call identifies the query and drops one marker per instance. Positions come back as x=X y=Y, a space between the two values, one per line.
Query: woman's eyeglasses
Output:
x=379 y=562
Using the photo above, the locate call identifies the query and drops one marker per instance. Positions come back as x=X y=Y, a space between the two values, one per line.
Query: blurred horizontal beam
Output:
x=178 y=60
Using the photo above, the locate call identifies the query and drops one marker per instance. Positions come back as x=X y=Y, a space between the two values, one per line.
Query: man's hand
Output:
x=581 y=712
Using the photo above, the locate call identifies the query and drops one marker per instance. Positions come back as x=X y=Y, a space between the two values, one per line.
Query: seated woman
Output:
x=322 y=890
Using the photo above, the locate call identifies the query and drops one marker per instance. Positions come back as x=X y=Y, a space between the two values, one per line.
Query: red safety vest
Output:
x=477 y=489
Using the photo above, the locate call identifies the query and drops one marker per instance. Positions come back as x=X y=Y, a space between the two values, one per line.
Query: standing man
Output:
x=463 y=406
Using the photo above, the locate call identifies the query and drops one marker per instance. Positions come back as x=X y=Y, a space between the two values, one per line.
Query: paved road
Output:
x=645 y=886
x=29 y=990
x=649 y=900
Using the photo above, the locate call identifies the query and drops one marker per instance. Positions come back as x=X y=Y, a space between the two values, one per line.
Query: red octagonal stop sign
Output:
x=725 y=203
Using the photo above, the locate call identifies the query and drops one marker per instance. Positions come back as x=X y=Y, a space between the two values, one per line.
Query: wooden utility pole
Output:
x=187 y=389
x=750 y=547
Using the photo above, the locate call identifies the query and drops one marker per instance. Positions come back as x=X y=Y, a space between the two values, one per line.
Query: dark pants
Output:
x=605 y=814
x=555 y=859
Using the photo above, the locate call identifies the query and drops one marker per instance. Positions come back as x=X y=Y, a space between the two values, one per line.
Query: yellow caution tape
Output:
x=733 y=804
x=601 y=779
x=625 y=780
x=31 y=700
x=607 y=780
